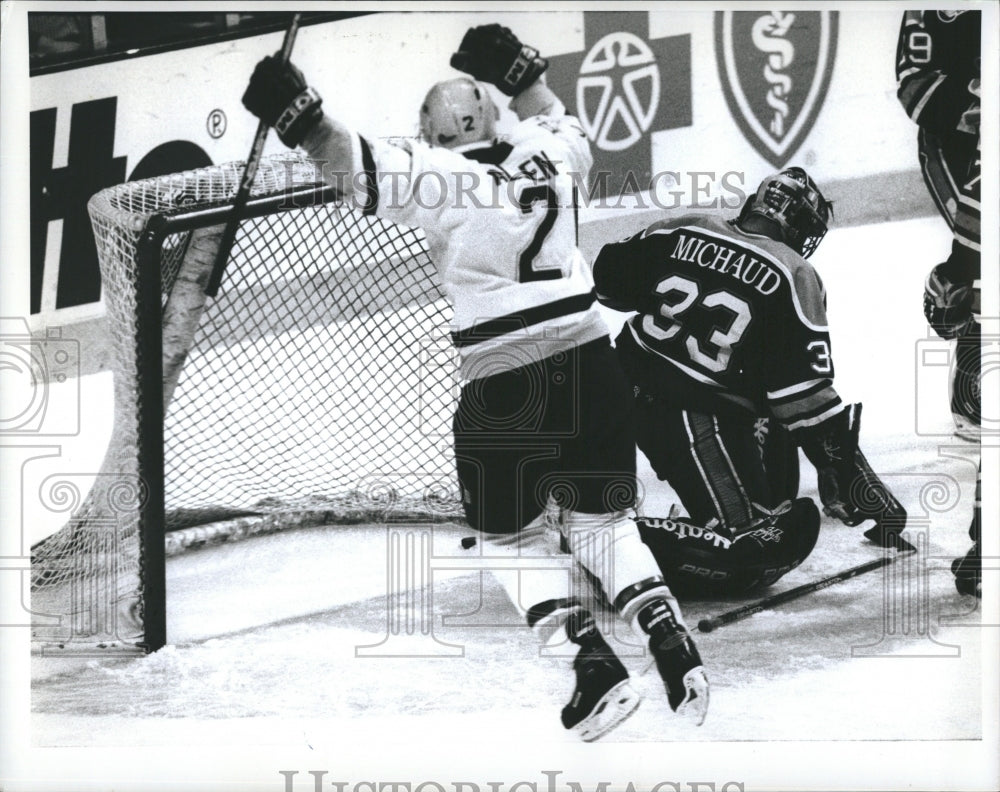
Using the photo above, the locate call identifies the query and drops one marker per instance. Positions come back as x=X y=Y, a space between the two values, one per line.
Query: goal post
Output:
x=317 y=387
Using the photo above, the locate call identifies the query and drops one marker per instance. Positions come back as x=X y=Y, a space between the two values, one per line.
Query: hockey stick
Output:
x=745 y=611
x=249 y=173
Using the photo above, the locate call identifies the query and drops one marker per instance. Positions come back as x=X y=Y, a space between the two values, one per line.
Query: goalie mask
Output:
x=456 y=113
x=791 y=201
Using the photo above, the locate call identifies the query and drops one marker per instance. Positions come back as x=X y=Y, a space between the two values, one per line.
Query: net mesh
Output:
x=317 y=386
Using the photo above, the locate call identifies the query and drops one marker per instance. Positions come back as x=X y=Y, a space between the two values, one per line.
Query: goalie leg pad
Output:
x=780 y=455
x=696 y=561
x=712 y=462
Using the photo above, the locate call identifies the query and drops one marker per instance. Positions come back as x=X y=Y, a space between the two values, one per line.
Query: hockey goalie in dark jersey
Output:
x=731 y=327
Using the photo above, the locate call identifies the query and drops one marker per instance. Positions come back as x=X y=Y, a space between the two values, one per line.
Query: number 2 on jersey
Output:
x=526 y=199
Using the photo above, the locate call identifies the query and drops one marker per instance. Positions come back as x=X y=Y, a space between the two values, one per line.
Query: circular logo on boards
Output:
x=216 y=124
x=618 y=91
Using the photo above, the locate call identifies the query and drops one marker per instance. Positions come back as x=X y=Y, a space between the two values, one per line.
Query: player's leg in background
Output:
x=968 y=570
x=951 y=170
x=966 y=374
x=966 y=258
x=503 y=456
x=600 y=471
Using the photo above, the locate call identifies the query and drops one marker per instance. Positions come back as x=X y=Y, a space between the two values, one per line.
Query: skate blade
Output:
x=616 y=706
x=694 y=708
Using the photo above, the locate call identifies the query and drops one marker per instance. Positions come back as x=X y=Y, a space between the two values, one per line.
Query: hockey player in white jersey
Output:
x=544 y=413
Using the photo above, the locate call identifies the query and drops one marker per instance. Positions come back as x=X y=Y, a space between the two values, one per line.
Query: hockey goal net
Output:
x=317 y=387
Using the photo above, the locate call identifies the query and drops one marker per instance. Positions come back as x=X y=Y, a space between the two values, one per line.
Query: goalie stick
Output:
x=745 y=611
x=249 y=173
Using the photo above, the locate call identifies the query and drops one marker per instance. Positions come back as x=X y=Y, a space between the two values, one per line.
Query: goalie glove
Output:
x=948 y=305
x=493 y=54
x=848 y=487
x=278 y=96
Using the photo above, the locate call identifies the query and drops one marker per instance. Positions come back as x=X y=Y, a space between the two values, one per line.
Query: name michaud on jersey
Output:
x=738 y=319
x=716 y=256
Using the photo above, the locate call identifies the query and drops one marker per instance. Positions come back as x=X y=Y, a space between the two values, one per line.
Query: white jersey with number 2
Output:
x=501 y=229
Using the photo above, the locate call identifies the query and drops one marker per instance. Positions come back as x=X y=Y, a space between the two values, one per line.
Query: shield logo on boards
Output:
x=624 y=87
x=775 y=69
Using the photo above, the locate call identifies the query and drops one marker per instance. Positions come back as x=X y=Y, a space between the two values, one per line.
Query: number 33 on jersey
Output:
x=725 y=318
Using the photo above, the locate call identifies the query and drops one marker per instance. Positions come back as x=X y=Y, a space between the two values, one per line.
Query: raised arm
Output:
x=493 y=54
x=279 y=95
x=538 y=99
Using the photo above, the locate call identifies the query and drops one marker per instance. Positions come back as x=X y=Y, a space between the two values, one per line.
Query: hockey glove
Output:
x=948 y=305
x=278 y=96
x=832 y=448
x=848 y=487
x=493 y=54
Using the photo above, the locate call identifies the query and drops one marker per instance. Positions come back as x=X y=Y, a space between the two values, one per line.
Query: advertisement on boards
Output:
x=661 y=95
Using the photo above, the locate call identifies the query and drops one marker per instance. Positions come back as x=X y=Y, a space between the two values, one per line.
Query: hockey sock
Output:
x=608 y=546
x=539 y=588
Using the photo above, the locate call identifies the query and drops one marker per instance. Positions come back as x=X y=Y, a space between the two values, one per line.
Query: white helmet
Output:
x=457 y=112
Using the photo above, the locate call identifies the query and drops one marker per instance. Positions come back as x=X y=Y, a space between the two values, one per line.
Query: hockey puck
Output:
x=468 y=541
x=706 y=625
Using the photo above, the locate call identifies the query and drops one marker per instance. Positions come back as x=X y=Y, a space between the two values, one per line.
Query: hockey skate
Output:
x=679 y=664
x=603 y=697
x=968 y=573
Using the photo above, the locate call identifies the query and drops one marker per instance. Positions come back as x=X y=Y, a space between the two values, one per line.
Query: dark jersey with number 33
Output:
x=727 y=322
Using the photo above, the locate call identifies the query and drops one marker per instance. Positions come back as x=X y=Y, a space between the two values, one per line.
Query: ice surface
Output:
x=263 y=634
